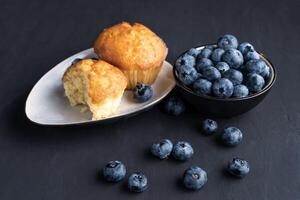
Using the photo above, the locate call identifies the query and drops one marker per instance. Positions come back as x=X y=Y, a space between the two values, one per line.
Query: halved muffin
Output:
x=96 y=84
x=134 y=49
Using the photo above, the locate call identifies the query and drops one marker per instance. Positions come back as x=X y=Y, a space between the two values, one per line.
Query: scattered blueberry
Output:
x=193 y=52
x=245 y=47
x=182 y=151
x=142 y=92
x=114 y=171
x=76 y=60
x=137 y=182
x=203 y=63
x=209 y=126
x=211 y=73
x=231 y=136
x=251 y=55
x=222 y=88
x=255 y=82
x=238 y=167
x=240 y=91
x=222 y=67
x=235 y=76
x=227 y=42
x=216 y=55
x=162 y=149
x=174 y=106
x=202 y=86
x=194 y=178
x=233 y=58
x=205 y=53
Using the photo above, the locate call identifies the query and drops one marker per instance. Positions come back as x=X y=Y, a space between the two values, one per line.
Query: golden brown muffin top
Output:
x=130 y=46
x=104 y=80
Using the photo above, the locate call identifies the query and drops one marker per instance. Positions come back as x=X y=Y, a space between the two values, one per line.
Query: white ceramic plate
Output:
x=47 y=104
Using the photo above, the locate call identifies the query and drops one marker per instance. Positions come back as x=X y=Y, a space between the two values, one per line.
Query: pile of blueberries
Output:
x=225 y=70
x=194 y=178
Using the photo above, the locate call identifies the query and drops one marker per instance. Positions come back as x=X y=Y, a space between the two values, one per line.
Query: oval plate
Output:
x=47 y=105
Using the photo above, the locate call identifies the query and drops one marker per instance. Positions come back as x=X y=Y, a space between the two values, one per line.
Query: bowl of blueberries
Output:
x=224 y=79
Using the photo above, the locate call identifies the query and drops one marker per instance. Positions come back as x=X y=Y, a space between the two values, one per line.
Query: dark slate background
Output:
x=62 y=162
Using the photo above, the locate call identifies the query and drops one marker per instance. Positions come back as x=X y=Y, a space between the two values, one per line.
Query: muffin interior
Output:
x=75 y=88
x=78 y=88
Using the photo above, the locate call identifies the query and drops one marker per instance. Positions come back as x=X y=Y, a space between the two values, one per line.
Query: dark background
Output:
x=62 y=162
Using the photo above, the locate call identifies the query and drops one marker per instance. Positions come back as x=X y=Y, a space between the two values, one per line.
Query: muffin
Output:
x=134 y=49
x=96 y=84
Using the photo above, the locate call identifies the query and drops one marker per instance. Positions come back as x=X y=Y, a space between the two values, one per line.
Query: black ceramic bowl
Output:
x=219 y=107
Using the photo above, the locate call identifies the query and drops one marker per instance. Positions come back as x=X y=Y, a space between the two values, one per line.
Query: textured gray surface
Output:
x=62 y=163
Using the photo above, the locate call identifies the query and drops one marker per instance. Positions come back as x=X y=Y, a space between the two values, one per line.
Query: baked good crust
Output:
x=131 y=47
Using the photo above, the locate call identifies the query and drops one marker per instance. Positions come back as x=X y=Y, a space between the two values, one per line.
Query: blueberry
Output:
x=258 y=67
x=255 y=82
x=185 y=60
x=186 y=73
x=245 y=47
x=266 y=72
x=222 y=67
x=227 y=42
x=205 y=53
x=203 y=63
x=238 y=167
x=188 y=60
x=240 y=91
x=194 y=178
x=217 y=55
x=233 y=58
x=76 y=60
x=222 y=88
x=202 y=86
x=235 y=76
x=193 y=52
x=137 y=182
x=231 y=136
x=255 y=66
x=251 y=55
x=174 y=106
x=142 y=92
x=114 y=171
x=162 y=149
x=211 y=73
x=188 y=77
x=182 y=151
x=209 y=126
